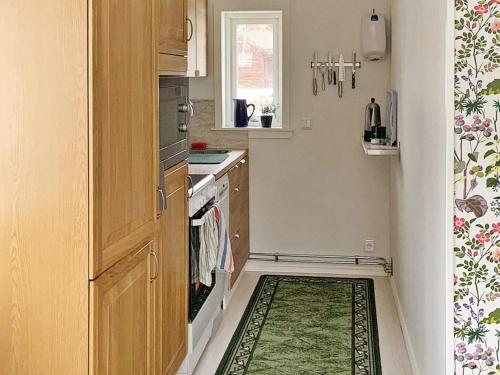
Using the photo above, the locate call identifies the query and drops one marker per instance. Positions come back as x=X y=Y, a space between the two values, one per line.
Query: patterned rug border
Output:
x=372 y=326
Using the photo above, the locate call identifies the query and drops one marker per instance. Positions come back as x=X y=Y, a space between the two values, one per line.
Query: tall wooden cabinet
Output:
x=84 y=284
x=123 y=132
x=44 y=216
x=173 y=283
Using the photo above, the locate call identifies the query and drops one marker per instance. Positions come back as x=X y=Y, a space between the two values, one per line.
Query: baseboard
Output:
x=314 y=268
x=404 y=328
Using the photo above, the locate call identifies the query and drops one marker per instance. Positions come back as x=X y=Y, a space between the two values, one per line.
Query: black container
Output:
x=266 y=121
x=241 y=116
x=381 y=132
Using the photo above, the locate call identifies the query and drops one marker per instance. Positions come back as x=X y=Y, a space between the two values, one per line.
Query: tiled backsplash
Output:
x=204 y=120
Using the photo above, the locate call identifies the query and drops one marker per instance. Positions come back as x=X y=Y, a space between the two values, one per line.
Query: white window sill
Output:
x=261 y=133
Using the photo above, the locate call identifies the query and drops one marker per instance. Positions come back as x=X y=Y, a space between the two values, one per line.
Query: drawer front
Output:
x=239 y=256
x=171 y=64
x=234 y=176
x=176 y=178
x=235 y=203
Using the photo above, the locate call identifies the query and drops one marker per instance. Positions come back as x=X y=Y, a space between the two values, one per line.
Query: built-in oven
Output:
x=175 y=109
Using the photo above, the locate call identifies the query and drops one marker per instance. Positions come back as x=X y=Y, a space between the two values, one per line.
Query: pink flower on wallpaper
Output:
x=495 y=254
x=496 y=227
x=482 y=238
x=495 y=24
x=493 y=2
x=481 y=9
x=455 y=279
x=458 y=223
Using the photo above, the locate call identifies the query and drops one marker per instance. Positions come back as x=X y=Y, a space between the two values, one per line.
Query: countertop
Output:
x=218 y=170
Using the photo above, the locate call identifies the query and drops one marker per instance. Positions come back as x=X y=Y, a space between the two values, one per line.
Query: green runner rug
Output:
x=306 y=325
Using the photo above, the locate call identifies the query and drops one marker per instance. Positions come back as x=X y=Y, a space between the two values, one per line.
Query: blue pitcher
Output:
x=241 y=113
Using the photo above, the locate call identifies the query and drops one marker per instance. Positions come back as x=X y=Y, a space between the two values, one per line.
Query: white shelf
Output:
x=379 y=150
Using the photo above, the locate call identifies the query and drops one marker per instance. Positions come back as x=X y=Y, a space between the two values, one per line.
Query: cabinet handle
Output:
x=237 y=236
x=237 y=166
x=236 y=189
x=157 y=266
x=163 y=200
x=192 y=29
x=243 y=161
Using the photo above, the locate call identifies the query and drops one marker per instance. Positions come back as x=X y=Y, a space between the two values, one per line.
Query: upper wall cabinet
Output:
x=197 y=38
x=122 y=128
x=173 y=27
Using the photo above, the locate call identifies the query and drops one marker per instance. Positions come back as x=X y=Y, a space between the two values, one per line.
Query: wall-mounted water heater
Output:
x=373 y=37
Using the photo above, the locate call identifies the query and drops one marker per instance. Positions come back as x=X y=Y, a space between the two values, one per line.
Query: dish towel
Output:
x=225 y=258
x=209 y=245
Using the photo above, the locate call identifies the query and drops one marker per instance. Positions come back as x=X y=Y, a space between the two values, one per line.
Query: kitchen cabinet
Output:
x=122 y=306
x=123 y=134
x=172 y=25
x=174 y=276
x=239 y=215
x=183 y=33
x=173 y=34
x=197 y=40
x=80 y=170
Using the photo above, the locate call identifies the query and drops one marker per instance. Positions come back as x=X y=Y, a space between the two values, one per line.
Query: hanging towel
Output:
x=209 y=245
x=225 y=258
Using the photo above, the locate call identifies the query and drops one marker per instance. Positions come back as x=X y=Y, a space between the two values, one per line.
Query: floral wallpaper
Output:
x=477 y=187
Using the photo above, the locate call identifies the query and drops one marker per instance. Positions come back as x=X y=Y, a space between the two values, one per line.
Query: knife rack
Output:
x=347 y=64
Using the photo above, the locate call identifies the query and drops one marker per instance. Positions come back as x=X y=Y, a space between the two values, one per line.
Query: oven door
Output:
x=198 y=293
x=175 y=110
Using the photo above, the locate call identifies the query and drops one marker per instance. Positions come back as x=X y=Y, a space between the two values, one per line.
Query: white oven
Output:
x=205 y=302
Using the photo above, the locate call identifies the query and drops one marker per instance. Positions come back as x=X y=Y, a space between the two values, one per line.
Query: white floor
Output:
x=392 y=348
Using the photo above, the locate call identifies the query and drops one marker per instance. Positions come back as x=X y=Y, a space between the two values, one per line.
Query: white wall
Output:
x=318 y=192
x=419 y=186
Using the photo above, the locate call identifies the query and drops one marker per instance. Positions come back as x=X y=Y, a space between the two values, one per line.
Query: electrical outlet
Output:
x=369 y=246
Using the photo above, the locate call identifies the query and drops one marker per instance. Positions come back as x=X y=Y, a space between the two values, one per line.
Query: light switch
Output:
x=307 y=124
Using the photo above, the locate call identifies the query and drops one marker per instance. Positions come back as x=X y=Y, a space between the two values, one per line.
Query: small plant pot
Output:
x=266 y=120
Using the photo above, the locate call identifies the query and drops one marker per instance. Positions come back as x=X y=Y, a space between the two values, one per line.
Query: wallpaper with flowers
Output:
x=477 y=187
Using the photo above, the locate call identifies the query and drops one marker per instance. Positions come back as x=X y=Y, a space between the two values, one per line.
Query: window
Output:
x=251 y=63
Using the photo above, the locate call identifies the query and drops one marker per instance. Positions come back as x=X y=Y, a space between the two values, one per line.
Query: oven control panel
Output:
x=202 y=195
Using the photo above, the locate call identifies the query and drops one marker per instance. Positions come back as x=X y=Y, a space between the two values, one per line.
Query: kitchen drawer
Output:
x=234 y=176
x=171 y=64
x=239 y=255
x=175 y=178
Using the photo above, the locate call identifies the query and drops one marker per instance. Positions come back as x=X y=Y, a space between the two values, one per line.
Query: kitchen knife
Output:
x=354 y=70
x=341 y=75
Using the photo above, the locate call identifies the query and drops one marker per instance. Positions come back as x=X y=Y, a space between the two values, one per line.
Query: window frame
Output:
x=229 y=22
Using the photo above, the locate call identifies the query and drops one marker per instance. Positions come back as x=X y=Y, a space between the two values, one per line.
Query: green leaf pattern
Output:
x=477 y=185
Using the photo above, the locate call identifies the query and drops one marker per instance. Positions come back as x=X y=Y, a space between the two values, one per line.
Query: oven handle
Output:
x=201 y=221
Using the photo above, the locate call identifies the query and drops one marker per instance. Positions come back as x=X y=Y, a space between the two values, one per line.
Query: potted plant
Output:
x=268 y=112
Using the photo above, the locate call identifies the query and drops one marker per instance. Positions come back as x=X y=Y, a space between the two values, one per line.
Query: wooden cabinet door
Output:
x=173 y=27
x=174 y=272
x=123 y=59
x=122 y=307
x=197 y=44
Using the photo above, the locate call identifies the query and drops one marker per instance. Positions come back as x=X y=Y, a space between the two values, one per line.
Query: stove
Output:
x=205 y=301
